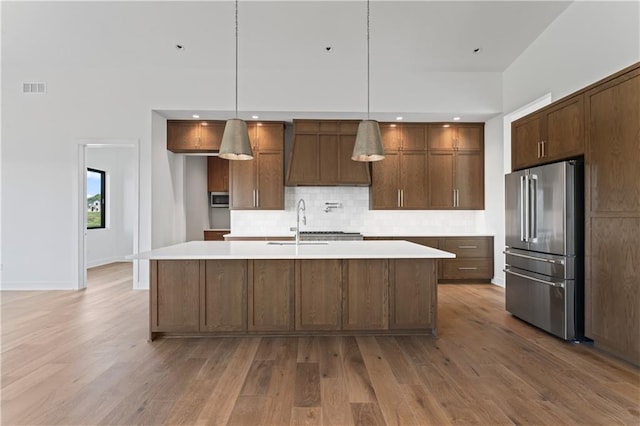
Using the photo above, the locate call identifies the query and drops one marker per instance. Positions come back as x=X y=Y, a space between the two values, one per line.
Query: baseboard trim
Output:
x=36 y=286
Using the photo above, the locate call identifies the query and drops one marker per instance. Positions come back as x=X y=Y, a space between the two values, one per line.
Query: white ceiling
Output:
x=421 y=36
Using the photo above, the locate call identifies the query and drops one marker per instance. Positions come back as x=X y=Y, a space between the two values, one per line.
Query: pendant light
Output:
x=235 y=139
x=368 y=146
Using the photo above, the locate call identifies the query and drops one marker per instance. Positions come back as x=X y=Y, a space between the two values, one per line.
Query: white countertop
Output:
x=306 y=250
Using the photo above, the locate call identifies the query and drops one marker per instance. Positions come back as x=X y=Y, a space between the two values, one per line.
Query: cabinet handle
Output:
x=257 y=198
x=402 y=198
x=454 y=198
x=253 y=198
x=468 y=247
x=543 y=153
x=399 y=205
x=538 y=153
x=469 y=268
x=457 y=198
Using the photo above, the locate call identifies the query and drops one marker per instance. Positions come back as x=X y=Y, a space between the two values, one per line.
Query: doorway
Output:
x=116 y=234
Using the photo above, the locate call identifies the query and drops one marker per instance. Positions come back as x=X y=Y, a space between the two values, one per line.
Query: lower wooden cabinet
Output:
x=319 y=294
x=366 y=294
x=215 y=235
x=412 y=291
x=473 y=262
x=175 y=295
x=271 y=295
x=222 y=297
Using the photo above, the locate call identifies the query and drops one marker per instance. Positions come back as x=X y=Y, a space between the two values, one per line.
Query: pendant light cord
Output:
x=236 y=58
x=368 y=64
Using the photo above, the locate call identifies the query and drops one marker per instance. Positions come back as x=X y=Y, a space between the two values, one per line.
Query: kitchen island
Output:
x=211 y=288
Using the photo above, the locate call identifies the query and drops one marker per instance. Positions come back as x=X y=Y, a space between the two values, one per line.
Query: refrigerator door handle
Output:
x=555 y=262
x=523 y=207
x=549 y=283
x=532 y=188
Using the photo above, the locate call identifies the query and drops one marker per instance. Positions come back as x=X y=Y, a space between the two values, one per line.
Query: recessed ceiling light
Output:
x=399 y=118
x=195 y=116
x=255 y=117
x=477 y=50
x=456 y=118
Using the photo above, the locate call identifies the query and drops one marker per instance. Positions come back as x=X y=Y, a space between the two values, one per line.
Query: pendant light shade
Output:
x=368 y=146
x=235 y=141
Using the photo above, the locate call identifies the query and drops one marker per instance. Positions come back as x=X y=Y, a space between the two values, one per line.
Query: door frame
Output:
x=83 y=145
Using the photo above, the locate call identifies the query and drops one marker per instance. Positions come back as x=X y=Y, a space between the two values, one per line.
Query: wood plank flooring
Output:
x=82 y=357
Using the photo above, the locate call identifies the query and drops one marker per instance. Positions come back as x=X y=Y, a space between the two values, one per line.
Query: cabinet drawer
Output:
x=215 y=235
x=457 y=269
x=468 y=246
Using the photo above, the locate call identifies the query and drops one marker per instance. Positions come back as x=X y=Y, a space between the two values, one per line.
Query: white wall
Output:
x=494 y=192
x=115 y=241
x=587 y=42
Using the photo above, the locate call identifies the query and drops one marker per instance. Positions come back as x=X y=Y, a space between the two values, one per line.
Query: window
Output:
x=96 y=202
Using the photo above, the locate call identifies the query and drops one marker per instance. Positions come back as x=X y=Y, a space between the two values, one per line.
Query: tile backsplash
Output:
x=353 y=215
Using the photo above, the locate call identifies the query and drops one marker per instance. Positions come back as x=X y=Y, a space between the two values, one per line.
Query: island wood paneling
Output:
x=176 y=289
x=223 y=297
x=412 y=292
x=271 y=287
x=366 y=293
x=319 y=294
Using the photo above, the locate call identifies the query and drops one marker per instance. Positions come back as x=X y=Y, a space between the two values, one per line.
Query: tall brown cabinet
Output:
x=602 y=122
x=613 y=214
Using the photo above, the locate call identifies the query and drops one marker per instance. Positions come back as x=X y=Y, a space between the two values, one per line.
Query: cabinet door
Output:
x=318 y=294
x=270 y=185
x=525 y=142
x=366 y=294
x=305 y=169
x=351 y=172
x=469 y=177
x=217 y=174
x=440 y=179
x=328 y=148
x=469 y=137
x=215 y=235
x=412 y=293
x=270 y=136
x=211 y=135
x=270 y=304
x=441 y=137
x=384 y=192
x=413 y=136
x=175 y=296
x=182 y=135
x=413 y=175
x=242 y=192
x=565 y=130
x=223 y=297
x=390 y=137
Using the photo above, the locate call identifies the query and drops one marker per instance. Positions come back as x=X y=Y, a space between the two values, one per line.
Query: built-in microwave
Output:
x=219 y=199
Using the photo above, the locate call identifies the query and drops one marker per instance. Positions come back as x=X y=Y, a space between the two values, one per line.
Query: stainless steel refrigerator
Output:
x=545 y=247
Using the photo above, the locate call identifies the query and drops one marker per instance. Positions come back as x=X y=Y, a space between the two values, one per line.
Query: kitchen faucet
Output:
x=301 y=206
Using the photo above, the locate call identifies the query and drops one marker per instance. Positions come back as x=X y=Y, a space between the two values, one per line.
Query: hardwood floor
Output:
x=83 y=358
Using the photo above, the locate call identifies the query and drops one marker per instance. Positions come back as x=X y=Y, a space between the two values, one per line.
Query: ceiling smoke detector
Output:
x=477 y=50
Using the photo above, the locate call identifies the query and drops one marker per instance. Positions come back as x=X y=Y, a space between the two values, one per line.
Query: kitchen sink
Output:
x=293 y=243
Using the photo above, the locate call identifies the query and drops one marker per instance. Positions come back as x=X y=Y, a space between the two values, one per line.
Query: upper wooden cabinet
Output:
x=430 y=166
x=258 y=184
x=217 y=174
x=321 y=154
x=463 y=136
x=554 y=133
x=455 y=175
x=185 y=136
x=400 y=181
